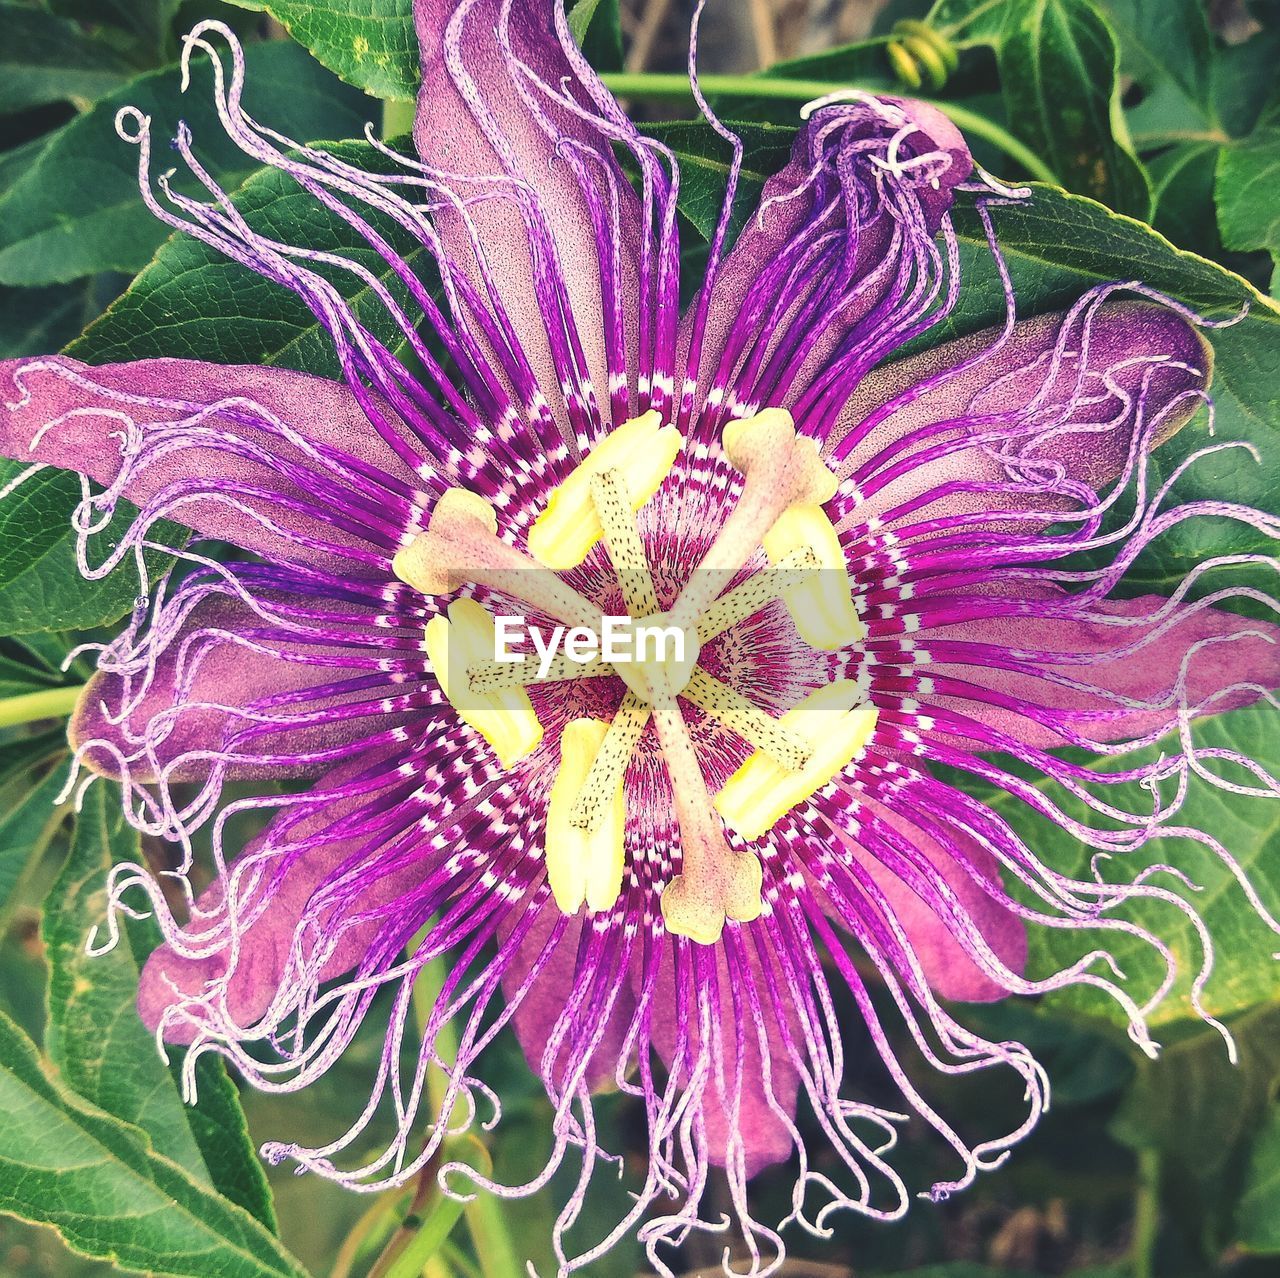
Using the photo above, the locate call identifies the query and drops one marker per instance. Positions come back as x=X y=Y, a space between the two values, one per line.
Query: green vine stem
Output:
x=645 y=84
x=30 y=707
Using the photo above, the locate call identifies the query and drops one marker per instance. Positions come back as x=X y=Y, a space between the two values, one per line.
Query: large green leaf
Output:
x=192 y=302
x=101 y=1046
x=76 y=208
x=97 y=1180
x=1058 y=68
x=29 y=821
x=369 y=43
x=1246 y=187
x=1258 y=1211
x=1199 y=1113
x=46 y=59
x=40 y=583
x=1245 y=975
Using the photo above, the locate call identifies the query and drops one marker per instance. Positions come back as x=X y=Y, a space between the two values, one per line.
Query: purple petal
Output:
x=274 y=461
x=503 y=123
x=838 y=260
x=1200 y=656
x=230 y=686
x=264 y=948
x=947 y=966
x=1072 y=392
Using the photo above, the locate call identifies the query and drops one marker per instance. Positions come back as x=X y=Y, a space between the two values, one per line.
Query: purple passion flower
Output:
x=665 y=879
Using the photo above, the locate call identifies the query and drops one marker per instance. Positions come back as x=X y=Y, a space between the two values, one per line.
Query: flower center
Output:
x=780 y=509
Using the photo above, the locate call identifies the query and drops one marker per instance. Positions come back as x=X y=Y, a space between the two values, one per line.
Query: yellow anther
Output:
x=584 y=865
x=642 y=450
x=664 y=654
x=837 y=729
x=505 y=719
x=821 y=604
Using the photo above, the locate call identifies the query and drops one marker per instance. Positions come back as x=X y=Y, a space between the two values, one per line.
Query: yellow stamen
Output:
x=610 y=764
x=730 y=707
x=780 y=469
x=759 y=589
x=821 y=605
x=837 y=729
x=461 y=544
x=584 y=865
x=642 y=449
x=506 y=718
x=715 y=882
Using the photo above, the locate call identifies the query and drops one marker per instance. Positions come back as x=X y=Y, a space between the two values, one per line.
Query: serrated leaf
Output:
x=107 y=1192
x=40 y=583
x=98 y=1042
x=369 y=43
x=1246 y=974
x=193 y=303
x=1058 y=70
x=46 y=59
x=1258 y=1211
x=76 y=209
x=597 y=27
x=1246 y=189
x=28 y=824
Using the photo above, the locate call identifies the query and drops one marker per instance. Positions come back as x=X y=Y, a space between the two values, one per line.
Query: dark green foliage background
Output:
x=1144 y=117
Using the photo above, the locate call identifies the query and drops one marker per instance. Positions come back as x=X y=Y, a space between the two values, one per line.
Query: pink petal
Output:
x=1224 y=653
x=1132 y=342
x=264 y=948
x=946 y=964
x=224 y=664
x=476 y=123
x=68 y=414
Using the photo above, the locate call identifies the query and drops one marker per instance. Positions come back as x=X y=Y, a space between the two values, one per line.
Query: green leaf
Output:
x=1246 y=974
x=1058 y=68
x=1246 y=187
x=191 y=302
x=76 y=208
x=1182 y=196
x=34 y=321
x=107 y=1192
x=369 y=43
x=1164 y=39
x=1258 y=1211
x=45 y=59
x=967 y=22
x=40 y=583
x=147 y=21
x=597 y=27
x=97 y=1040
x=28 y=824
x=1200 y=1113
